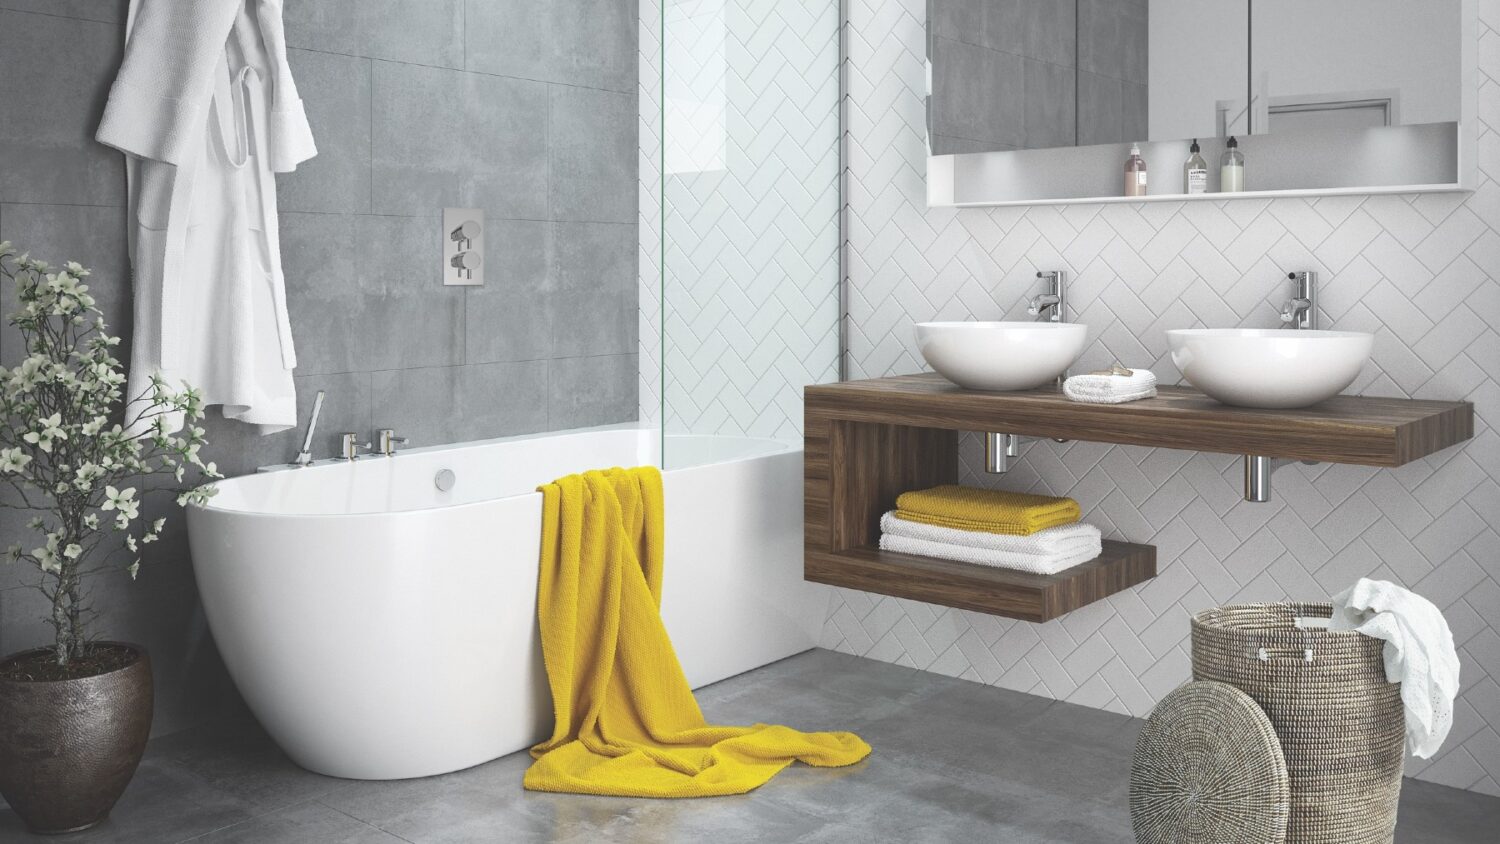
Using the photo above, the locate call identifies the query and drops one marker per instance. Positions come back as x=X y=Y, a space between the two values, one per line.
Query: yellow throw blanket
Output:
x=627 y=722
x=986 y=510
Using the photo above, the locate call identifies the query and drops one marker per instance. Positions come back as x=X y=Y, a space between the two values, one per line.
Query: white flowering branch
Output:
x=67 y=451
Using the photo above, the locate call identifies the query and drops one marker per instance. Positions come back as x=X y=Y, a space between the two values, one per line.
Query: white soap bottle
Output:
x=1232 y=168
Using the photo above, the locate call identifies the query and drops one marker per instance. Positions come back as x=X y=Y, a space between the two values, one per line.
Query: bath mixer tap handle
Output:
x=388 y=441
x=351 y=446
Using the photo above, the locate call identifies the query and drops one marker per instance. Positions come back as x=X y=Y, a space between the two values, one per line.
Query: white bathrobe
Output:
x=206 y=110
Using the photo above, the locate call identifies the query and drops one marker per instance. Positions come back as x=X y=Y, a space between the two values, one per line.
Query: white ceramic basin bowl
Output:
x=1260 y=367
x=1001 y=355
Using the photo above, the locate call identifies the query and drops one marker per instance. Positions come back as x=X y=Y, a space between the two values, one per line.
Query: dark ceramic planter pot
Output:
x=68 y=748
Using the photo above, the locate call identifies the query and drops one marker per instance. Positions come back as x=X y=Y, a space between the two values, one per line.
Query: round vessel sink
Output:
x=1001 y=355
x=1276 y=368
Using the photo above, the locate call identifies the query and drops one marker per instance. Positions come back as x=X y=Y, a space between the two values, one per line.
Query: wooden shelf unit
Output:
x=868 y=441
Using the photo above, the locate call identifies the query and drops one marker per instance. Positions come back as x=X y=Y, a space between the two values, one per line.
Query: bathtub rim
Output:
x=781 y=447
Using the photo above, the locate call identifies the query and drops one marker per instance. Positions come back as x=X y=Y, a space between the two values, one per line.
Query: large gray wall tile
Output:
x=511 y=316
x=597 y=290
x=594 y=155
x=413 y=319
x=446 y=138
x=429 y=32
x=593 y=390
x=335 y=90
x=458 y=403
x=364 y=293
x=591 y=43
x=57 y=73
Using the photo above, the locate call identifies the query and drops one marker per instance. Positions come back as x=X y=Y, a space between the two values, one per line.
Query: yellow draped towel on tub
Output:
x=627 y=722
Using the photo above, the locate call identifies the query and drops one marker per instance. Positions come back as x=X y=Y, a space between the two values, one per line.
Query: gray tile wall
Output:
x=526 y=108
x=1031 y=74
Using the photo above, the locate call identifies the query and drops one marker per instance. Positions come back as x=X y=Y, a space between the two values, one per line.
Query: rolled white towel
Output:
x=1032 y=563
x=1067 y=540
x=1114 y=386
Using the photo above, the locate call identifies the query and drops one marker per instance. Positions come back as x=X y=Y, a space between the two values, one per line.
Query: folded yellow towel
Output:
x=627 y=722
x=986 y=510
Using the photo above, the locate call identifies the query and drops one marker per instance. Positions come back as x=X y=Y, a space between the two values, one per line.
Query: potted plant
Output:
x=74 y=716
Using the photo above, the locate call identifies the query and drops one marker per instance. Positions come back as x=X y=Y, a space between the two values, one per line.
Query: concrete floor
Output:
x=954 y=762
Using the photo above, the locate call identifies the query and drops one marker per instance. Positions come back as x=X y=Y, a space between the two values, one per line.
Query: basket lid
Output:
x=1208 y=769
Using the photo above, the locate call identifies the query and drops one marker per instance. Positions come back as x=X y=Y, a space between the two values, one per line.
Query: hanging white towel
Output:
x=206 y=110
x=1419 y=654
x=1113 y=386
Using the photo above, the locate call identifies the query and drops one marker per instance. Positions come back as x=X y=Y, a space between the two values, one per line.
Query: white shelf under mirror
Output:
x=1322 y=157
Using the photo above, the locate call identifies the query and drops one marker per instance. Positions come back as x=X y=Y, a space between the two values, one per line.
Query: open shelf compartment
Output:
x=853 y=473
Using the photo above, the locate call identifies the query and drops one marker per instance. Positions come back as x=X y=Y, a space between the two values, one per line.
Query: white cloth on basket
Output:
x=1419 y=654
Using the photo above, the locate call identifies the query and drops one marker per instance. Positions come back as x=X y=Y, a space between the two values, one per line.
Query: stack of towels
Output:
x=1115 y=385
x=1032 y=533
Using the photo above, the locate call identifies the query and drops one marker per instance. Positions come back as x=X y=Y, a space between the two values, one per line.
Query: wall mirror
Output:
x=1040 y=100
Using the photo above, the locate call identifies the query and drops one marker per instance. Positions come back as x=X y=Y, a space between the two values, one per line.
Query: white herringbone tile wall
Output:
x=1419 y=271
x=750 y=289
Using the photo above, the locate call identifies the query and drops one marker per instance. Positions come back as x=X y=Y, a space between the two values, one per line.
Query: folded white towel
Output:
x=1066 y=540
x=1033 y=563
x=1112 y=387
x=1419 y=654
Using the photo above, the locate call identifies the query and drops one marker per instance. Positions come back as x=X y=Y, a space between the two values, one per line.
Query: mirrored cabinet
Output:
x=1038 y=101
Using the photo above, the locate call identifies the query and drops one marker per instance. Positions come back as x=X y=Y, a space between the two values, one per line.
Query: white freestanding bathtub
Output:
x=380 y=628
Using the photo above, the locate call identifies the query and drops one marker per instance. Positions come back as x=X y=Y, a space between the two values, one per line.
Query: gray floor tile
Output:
x=300 y=824
x=238 y=758
x=163 y=803
x=954 y=762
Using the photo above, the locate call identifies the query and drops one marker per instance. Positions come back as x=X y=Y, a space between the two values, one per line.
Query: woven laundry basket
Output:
x=1341 y=724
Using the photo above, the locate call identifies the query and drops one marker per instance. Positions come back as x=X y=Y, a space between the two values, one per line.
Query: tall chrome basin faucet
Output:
x=1301 y=311
x=1051 y=305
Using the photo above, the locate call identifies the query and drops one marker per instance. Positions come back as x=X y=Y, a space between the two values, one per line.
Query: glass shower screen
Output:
x=747 y=210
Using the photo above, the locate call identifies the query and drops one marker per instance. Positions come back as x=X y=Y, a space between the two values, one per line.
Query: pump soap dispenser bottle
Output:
x=1135 y=172
x=1195 y=172
x=1232 y=168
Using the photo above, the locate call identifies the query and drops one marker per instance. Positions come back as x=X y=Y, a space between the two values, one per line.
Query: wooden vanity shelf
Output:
x=868 y=441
